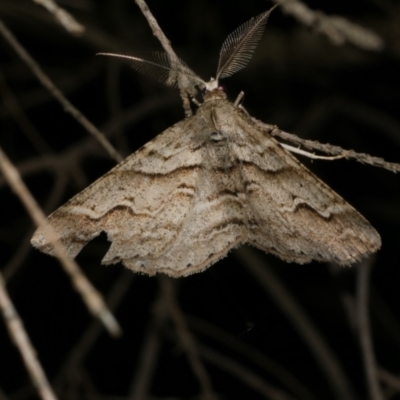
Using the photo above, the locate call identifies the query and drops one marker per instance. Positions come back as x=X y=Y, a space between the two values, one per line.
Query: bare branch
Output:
x=242 y=348
x=21 y=340
x=185 y=338
x=16 y=111
x=62 y=17
x=185 y=86
x=88 y=338
x=51 y=87
x=364 y=329
x=389 y=379
x=90 y=295
x=338 y=29
x=328 y=148
x=147 y=360
x=243 y=374
x=323 y=354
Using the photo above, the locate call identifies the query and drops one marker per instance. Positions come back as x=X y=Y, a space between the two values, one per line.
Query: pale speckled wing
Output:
x=292 y=213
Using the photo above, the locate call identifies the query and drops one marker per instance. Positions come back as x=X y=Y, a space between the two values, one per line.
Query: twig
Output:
x=90 y=335
x=322 y=353
x=363 y=158
x=185 y=338
x=277 y=371
x=364 y=330
x=338 y=29
x=3 y=395
x=90 y=295
x=148 y=354
x=63 y=17
x=184 y=89
x=243 y=374
x=20 y=337
x=13 y=107
x=389 y=379
x=51 y=87
x=25 y=246
x=146 y=364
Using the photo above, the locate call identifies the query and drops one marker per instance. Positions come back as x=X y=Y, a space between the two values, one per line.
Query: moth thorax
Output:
x=214 y=95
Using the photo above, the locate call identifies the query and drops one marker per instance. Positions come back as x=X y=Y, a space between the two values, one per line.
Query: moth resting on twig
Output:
x=208 y=184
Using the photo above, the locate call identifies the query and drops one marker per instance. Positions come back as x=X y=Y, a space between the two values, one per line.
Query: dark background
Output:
x=298 y=80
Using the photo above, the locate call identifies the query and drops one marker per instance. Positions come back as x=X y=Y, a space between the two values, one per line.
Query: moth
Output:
x=210 y=183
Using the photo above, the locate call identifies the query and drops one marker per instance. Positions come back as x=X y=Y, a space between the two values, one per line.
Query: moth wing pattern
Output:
x=297 y=216
x=151 y=207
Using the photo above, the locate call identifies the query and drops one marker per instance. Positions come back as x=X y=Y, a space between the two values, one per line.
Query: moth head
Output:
x=211 y=85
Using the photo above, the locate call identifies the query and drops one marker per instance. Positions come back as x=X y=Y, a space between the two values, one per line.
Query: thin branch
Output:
x=62 y=17
x=91 y=334
x=12 y=105
x=277 y=371
x=150 y=348
x=52 y=88
x=243 y=374
x=185 y=338
x=323 y=354
x=25 y=246
x=90 y=295
x=364 y=330
x=389 y=379
x=21 y=340
x=337 y=28
x=363 y=158
x=185 y=87
x=147 y=364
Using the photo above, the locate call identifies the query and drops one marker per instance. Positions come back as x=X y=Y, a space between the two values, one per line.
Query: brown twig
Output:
x=52 y=88
x=337 y=28
x=186 y=339
x=364 y=329
x=62 y=17
x=340 y=385
x=389 y=379
x=184 y=90
x=25 y=246
x=21 y=340
x=147 y=360
x=243 y=374
x=16 y=111
x=88 y=338
x=90 y=295
x=271 y=367
x=363 y=158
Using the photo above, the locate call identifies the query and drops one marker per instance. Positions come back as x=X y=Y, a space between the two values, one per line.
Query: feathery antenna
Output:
x=160 y=68
x=238 y=47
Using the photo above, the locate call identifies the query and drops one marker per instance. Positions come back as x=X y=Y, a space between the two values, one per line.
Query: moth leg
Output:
x=195 y=101
x=312 y=155
x=238 y=99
